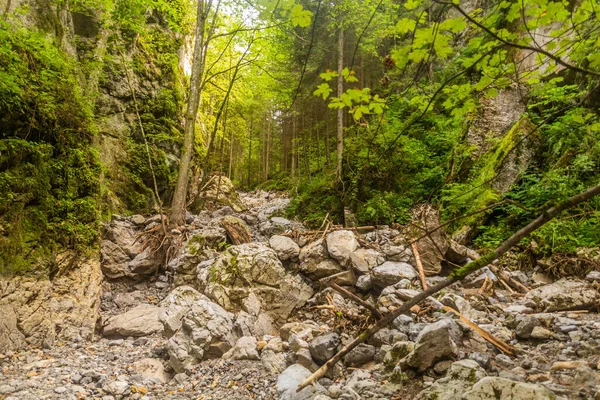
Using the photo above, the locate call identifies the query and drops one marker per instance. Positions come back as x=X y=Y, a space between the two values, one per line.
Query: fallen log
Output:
x=415 y=250
x=456 y=276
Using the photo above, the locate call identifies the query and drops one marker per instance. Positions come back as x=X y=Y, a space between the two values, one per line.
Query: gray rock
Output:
x=391 y=272
x=244 y=349
x=364 y=260
x=140 y=321
x=434 y=246
x=456 y=253
x=285 y=247
x=361 y=354
x=460 y=377
x=273 y=362
x=477 y=279
x=138 y=219
x=364 y=282
x=433 y=343
x=492 y=388
x=341 y=244
x=289 y=380
x=593 y=276
x=562 y=294
x=525 y=325
x=312 y=254
x=323 y=347
x=322 y=269
x=540 y=333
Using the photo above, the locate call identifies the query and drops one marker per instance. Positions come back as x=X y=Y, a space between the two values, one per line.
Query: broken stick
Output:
x=355 y=298
x=415 y=249
x=456 y=276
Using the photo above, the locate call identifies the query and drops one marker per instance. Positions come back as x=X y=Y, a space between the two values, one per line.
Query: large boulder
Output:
x=492 y=388
x=244 y=349
x=340 y=245
x=563 y=294
x=139 y=321
x=197 y=328
x=218 y=191
x=285 y=247
x=433 y=247
x=150 y=369
x=40 y=311
x=435 y=342
x=364 y=260
x=391 y=272
x=460 y=377
x=251 y=277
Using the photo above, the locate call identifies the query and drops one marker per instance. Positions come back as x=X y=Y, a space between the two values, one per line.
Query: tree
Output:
x=177 y=216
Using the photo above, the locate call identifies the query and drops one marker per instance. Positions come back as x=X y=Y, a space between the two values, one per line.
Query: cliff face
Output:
x=72 y=153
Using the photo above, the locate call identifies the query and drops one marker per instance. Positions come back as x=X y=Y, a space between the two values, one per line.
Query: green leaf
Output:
x=323 y=90
x=299 y=16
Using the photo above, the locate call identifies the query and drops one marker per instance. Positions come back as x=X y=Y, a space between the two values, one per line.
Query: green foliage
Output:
x=49 y=174
x=315 y=200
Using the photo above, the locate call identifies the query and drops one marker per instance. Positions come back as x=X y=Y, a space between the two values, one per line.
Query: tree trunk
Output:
x=180 y=195
x=327 y=149
x=340 y=115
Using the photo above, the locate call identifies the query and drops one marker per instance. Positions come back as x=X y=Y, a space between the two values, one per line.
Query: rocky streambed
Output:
x=253 y=320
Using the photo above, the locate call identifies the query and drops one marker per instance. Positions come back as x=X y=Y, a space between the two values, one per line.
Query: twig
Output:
x=415 y=249
x=355 y=299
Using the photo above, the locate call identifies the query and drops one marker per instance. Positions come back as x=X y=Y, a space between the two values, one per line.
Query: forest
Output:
x=144 y=140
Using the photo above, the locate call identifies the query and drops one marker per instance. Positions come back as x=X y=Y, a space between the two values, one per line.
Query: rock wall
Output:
x=40 y=312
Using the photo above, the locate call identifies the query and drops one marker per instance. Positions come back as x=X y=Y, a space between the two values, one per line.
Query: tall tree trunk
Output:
x=198 y=62
x=249 y=152
x=268 y=151
x=293 y=144
x=340 y=115
x=327 y=149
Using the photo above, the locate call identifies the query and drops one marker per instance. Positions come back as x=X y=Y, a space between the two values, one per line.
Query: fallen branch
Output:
x=415 y=249
x=356 y=299
x=499 y=343
x=456 y=276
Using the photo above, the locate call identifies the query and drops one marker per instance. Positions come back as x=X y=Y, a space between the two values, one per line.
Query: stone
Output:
x=322 y=269
x=295 y=328
x=289 y=380
x=394 y=296
x=477 y=279
x=460 y=377
x=273 y=362
x=323 y=347
x=151 y=369
x=433 y=344
x=492 y=388
x=364 y=260
x=540 y=333
x=38 y=312
x=139 y=321
x=285 y=247
x=117 y=387
x=361 y=354
x=340 y=245
x=391 y=272
x=244 y=349
x=217 y=191
x=398 y=351
x=206 y=332
x=138 y=219
x=562 y=294
x=525 y=325
x=433 y=247
x=364 y=283
x=312 y=254
x=175 y=306
x=593 y=276
x=254 y=269
x=456 y=253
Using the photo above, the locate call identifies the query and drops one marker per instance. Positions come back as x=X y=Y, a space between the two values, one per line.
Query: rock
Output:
x=593 y=276
x=492 y=388
x=567 y=365
x=562 y=294
x=364 y=283
x=391 y=272
x=273 y=362
x=323 y=347
x=398 y=351
x=477 y=279
x=525 y=325
x=460 y=377
x=252 y=270
x=322 y=269
x=463 y=307
x=361 y=354
x=139 y=321
x=244 y=349
x=285 y=247
x=394 y=296
x=175 y=306
x=206 y=332
x=218 y=191
x=38 y=312
x=540 y=333
x=151 y=369
x=398 y=253
x=364 y=260
x=434 y=246
x=138 y=219
x=307 y=329
x=117 y=387
x=456 y=253
x=312 y=254
x=433 y=344
x=289 y=380
x=340 y=245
